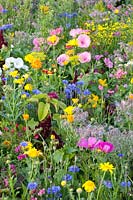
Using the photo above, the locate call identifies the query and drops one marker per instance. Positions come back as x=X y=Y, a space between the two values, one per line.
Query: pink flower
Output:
x=93 y=142
x=120 y=73
x=100 y=87
x=21 y=156
x=108 y=62
x=83 y=143
x=63 y=59
x=41 y=192
x=6 y=182
x=105 y=147
x=56 y=31
x=37 y=43
x=17 y=149
x=83 y=41
x=111 y=91
x=53 y=95
x=75 y=32
x=84 y=57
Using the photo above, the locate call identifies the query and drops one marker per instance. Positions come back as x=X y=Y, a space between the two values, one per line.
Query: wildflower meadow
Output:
x=66 y=99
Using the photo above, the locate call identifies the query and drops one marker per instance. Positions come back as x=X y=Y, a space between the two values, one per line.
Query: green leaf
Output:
x=40 y=96
x=55 y=103
x=43 y=109
x=62 y=105
x=58 y=156
x=32 y=124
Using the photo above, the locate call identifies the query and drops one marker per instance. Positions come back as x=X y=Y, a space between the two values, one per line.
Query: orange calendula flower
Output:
x=25 y=117
x=70 y=118
x=7 y=143
x=36 y=63
x=89 y=186
x=131 y=96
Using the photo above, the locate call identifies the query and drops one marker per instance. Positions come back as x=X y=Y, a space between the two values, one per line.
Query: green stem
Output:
x=100 y=186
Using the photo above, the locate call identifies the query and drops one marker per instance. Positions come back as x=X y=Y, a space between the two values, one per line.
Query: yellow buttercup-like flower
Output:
x=19 y=81
x=131 y=81
x=75 y=100
x=102 y=82
x=14 y=73
x=25 y=117
x=106 y=167
x=33 y=153
x=72 y=42
x=28 y=87
x=69 y=110
x=89 y=186
x=63 y=183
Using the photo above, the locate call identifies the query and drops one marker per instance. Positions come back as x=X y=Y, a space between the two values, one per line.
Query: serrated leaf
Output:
x=43 y=109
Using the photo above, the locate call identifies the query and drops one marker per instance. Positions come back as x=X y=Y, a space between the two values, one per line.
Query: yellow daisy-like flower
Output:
x=131 y=81
x=44 y=9
x=33 y=153
x=95 y=97
x=106 y=167
x=7 y=143
x=72 y=42
x=14 y=73
x=29 y=58
x=28 y=87
x=69 y=110
x=102 y=82
x=19 y=81
x=89 y=186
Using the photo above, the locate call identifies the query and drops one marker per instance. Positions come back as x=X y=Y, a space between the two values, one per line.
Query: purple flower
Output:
x=24 y=144
x=108 y=62
x=53 y=95
x=21 y=156
x=6 y=26
x=86 y=92
x=17 y=149
x=36 y=91
x=53 y=190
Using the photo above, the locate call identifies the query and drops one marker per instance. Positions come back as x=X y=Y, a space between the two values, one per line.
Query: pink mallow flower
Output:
x=120 y=73
x=83 y=41
x=41 y=192
x=63 y=59
x=83 y=143
x=75 y=32
x=84 y=57
x=56 y=31
x=90 y=143
x=105 y=147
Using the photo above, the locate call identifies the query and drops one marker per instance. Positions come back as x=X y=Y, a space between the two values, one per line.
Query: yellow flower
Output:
x=29 y=58
x=70 y=118
x=19 y=81
x=63 y=183
x=44 y=9
x=28 y=87
x=29 y=146
x=53 y=39
x=39 y=55
x=131 y=81
x=25 y=117
x=5 y=67
x=102 y=82
x=72 y=42
x=14 y=73
x=106 y=167
x=75 y=100
x=23 y=96
x=89 y=186
x=116 y=11
x=69 y=110
x=52 y=137
x=33 y=153
x=70 y=52
x=26 y=76
x=7 y=143
x=95 y=97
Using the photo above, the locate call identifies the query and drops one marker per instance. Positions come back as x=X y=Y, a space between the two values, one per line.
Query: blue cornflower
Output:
x=78 y=90
x=86 y=92
x=65 y=82
x=67 y=177
x=36 y=91
x=68 y=25
x=108 y=184
x=75 y=14
x=80 y=83
x=120 y=155
x=125 y=184
x=32 y=186
x=27 y=94
x=3 y=97
x=6 y=26
x=74 y=169
x=4 y=79
x=53 y=190
x=24 y=144
x=4 y=11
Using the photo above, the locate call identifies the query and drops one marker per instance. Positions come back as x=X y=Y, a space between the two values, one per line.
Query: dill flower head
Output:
x=89 y=186
x=106 y=167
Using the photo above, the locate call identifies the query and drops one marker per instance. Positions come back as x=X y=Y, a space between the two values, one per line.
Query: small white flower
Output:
x=18 y=63
x=9 y=61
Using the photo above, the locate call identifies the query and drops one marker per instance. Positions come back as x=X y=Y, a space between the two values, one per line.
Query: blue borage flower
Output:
x=67 y=177
x=32 y=186
x=6 y=26
x=24 y=144
x=108 y=184
x=125 y=184
x=74 y=169
x=53 y=190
